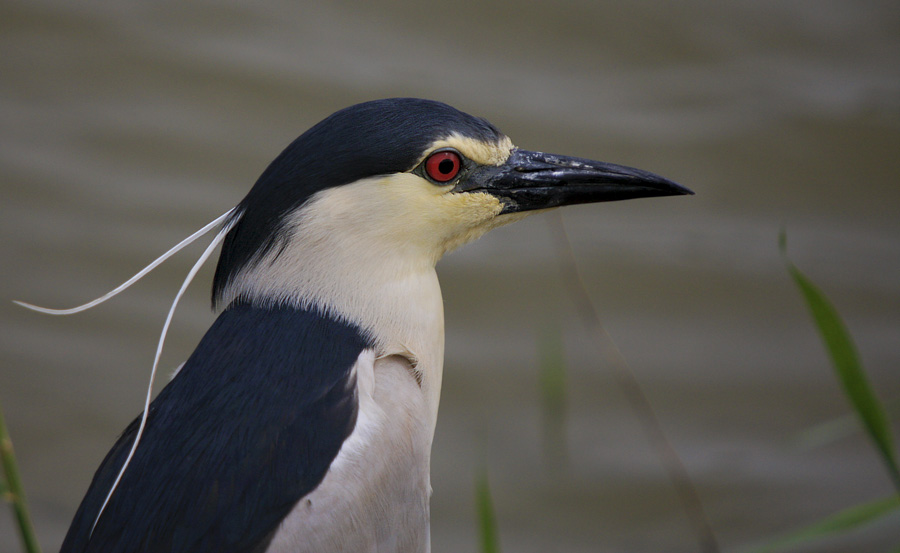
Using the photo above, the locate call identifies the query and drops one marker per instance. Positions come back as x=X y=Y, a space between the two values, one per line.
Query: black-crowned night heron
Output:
x=304 y=419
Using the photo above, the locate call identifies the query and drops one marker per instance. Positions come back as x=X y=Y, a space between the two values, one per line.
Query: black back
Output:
x=249 y=425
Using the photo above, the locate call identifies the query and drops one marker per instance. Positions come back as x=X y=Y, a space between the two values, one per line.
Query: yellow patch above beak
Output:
x=482 y=153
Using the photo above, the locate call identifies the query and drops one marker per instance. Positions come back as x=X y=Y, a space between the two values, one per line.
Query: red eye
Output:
x=443 y=166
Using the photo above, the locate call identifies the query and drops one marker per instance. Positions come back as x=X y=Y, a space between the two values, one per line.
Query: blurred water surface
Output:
x=126 y=126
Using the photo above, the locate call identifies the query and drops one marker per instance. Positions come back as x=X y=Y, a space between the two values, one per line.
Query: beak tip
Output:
x=682 y=190
x=671 y=188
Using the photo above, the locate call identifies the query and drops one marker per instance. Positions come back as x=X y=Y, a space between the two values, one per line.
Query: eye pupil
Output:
x=443 y=166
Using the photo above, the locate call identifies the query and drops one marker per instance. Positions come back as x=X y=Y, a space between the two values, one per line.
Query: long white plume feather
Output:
x=181 y=245
x=162 y=338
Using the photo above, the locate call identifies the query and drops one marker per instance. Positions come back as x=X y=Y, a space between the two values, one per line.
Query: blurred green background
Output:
x=126 y=126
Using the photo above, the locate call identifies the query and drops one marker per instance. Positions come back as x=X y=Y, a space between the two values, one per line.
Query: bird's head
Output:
x=398 y=182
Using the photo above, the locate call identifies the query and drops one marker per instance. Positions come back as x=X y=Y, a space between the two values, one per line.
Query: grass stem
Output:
x=13 y=490
x=634 y=393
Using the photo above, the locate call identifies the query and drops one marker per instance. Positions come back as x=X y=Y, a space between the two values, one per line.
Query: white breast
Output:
x=375 y=494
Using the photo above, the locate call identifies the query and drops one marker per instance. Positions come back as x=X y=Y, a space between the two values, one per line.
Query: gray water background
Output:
x=125 y=126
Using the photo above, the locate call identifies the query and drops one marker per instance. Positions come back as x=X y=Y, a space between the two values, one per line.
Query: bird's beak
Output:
x=535 y=180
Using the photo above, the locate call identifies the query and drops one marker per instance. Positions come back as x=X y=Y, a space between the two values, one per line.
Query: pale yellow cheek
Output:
x=470 y=207
x=410 y=214
x=413 y=197
x=466 y=218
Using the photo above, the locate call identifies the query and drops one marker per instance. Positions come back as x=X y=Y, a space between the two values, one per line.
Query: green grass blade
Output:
x=552 y=371
x=847 y=365
x=841 y=427
x=12 y=490
x=552 y=384
x=838 y=523
x=487 y=521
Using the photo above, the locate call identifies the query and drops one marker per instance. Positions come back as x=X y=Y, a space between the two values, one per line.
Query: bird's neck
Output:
x=392 y=294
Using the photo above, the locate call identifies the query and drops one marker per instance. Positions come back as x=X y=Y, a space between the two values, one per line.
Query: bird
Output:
x=303 y=421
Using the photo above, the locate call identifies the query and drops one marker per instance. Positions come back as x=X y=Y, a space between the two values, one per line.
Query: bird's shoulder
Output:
x=249 y=425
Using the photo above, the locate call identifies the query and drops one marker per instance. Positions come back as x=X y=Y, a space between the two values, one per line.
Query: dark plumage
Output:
x=248 y=426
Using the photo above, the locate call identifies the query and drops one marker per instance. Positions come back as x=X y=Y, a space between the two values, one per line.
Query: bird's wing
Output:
x=247 y=428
